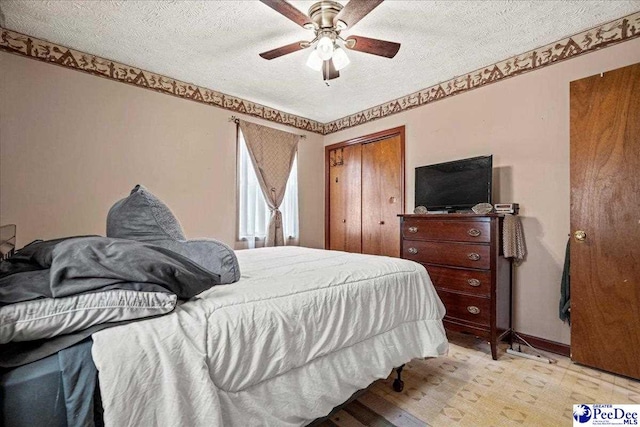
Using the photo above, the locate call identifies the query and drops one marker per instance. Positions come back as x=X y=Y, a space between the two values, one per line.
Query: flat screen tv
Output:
x=457 y=185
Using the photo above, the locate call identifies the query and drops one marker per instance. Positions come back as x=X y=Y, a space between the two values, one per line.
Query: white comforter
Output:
x=298 y=334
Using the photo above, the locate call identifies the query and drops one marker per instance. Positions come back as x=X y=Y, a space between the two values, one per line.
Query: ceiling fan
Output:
x=327 y=18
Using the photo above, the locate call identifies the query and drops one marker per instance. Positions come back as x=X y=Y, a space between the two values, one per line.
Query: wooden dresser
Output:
x=463 y=255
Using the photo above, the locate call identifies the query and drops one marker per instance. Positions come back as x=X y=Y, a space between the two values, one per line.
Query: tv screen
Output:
x=457 y=185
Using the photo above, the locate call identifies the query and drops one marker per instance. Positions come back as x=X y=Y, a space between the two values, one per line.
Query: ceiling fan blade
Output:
x=286 y=9
x=329 y=72
x=373 y=46
x=284 y=50
x=355 y=10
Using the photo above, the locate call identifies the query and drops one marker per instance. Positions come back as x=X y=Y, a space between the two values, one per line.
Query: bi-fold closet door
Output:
x=345 y=195
x=365 y=193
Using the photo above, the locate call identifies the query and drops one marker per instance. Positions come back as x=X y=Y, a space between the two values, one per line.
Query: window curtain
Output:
x=253 y=212
x=272 y=153
x=289 y=207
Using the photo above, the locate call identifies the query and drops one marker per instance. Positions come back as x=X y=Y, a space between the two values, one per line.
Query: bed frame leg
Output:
x=398 y=384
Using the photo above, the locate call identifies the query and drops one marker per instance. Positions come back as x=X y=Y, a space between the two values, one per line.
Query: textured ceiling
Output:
x=215 y=44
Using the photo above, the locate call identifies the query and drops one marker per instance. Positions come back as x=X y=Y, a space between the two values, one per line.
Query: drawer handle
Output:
x=474 y=232
x=473 y=309
x=473 y=282
x=412 y=251
x=473 y=256
x=413 y=229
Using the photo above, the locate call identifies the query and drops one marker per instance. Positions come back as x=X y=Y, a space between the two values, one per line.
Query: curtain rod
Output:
x=236 y=120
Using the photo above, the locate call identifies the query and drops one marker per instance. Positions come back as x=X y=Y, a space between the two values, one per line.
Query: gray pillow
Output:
x=50 y=317
x=144 y=217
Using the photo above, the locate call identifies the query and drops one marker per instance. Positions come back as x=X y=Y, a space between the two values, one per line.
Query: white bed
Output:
x=300 y=332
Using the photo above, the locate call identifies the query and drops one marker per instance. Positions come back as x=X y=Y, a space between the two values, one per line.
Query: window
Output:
x=253 y=211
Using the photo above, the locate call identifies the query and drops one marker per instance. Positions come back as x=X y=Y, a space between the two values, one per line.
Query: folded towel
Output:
x=513 y=238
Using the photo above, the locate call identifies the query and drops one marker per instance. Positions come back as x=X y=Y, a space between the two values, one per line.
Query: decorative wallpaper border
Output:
x=617 y=31
x=11 y=41
x=622 y=29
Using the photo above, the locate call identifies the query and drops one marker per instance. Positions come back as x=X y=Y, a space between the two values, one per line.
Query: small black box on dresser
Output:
x=463 y=255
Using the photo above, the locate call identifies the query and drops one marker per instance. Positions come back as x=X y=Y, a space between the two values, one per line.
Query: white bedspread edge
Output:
x=312 y=391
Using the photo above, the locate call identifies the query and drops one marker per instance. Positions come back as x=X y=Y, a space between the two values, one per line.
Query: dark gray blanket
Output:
x=64 y=267
x=76 y=265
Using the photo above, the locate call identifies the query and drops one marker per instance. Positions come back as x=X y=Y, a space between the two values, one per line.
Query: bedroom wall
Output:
x=72 y=144
x=524 y=123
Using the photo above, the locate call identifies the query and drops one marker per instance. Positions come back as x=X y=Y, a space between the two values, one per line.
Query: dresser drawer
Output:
x=465 y=307
x=470 y=281
x=457 y=231
x=456 y=254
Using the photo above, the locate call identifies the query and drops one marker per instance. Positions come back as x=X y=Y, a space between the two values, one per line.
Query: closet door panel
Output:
x=345 y=200
x=352 y=191
x=337 y=202
x=382 y=200
x=371 y=212
x=391 y=200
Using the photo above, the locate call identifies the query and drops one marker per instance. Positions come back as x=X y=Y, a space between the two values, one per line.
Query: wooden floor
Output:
x=468 y=388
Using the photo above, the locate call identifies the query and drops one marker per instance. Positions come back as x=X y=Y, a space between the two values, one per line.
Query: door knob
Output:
x=344 y=221
x=580 y=235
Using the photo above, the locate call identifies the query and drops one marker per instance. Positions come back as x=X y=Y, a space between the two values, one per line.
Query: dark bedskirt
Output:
x=59 y=390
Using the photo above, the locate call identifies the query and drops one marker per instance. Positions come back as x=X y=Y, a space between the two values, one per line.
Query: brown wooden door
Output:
x=382 y=196
x=605 y=204
x=345 y=199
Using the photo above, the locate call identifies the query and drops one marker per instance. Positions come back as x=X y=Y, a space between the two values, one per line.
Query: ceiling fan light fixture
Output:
x=340 y=58
x=325 y=48
x=327 y=19
x=314 y=61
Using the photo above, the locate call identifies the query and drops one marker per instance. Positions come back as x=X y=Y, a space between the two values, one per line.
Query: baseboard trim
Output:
x=546 y=345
